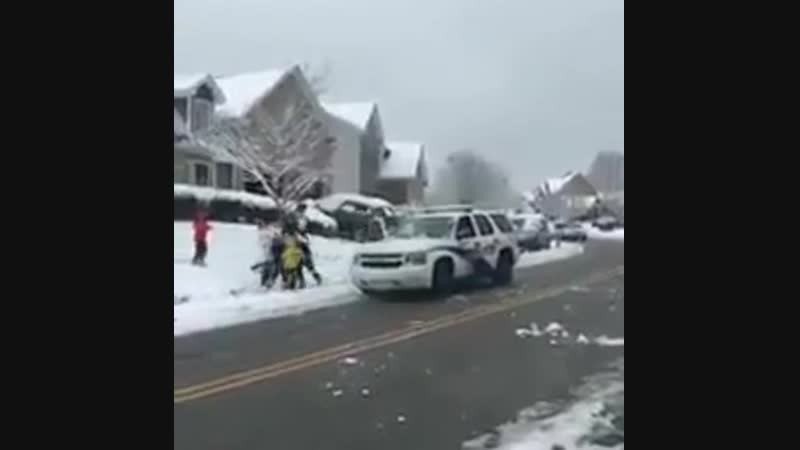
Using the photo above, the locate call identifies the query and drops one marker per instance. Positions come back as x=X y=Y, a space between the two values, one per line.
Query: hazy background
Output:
x=536 y=85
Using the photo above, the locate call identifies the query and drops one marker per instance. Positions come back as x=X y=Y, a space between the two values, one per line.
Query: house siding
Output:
x=371 y=149
x=345 y=161
x=395 y=191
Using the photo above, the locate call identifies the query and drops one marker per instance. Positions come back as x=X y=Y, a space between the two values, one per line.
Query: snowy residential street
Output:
x=532 y=366
x=226 y=292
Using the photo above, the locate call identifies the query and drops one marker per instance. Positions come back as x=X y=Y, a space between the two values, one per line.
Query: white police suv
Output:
x=433 y=248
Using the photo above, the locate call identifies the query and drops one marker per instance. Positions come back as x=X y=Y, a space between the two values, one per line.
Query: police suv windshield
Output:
x=436 y=227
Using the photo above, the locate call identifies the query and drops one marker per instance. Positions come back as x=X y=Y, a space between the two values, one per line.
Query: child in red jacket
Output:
x=201 y=229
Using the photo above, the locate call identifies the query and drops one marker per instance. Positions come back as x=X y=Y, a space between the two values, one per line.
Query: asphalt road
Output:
x=429 y=389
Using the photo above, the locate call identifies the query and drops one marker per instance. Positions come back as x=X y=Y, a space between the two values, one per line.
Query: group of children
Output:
x=286 y=251
x=284 y=245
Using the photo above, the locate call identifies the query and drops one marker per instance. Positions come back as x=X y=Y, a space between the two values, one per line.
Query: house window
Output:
x=224 y=176
x=202 y=175
x=201 y=113
x=181 y=172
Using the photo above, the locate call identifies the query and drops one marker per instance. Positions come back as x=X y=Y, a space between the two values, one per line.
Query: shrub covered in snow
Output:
x=239 y=206
x=224 y=206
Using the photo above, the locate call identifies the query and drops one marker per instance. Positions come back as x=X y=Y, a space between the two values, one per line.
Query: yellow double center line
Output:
x=245 y=378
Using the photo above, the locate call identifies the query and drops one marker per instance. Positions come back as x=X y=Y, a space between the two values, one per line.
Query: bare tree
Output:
x=287 y=155
x=468 y=177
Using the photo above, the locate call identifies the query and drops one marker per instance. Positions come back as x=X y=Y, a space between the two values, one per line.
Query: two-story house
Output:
x=366 y=164
x=403 y=173
x=195 y=99
x=353 y=155
x=567 y=197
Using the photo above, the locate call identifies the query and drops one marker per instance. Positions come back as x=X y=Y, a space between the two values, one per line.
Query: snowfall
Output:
x=226 y=292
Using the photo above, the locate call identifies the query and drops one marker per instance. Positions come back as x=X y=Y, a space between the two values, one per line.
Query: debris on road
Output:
x=365 y=392
x=401 y=419
x=524 y=332
x=350 y=361
x=328 y=386
x=337 y=393
x=582 y=289
x=606 y=341
x=582 y=339
x=428 y=372
x=554 y=328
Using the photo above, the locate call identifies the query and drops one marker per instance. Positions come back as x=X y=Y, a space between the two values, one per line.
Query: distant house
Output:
x=568 y=196
x=403 y=173
x=266 y=97
x=195 y=98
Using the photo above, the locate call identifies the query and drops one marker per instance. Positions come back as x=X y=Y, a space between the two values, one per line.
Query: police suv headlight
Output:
x=417 y=258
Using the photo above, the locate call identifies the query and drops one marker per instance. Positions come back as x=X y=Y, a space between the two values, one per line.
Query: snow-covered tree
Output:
x=288 y=154
x=318 y=77
x=468 y=177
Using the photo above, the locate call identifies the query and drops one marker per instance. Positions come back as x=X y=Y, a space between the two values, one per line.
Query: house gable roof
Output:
x=245 y=90
x=185 y=85
x=572 y=183
x=356 y=113
x=402 y=161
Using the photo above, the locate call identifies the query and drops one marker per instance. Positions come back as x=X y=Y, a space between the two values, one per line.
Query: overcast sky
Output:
x=537 y=85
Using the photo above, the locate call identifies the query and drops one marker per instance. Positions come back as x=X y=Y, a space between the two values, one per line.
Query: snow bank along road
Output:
x=396 y=375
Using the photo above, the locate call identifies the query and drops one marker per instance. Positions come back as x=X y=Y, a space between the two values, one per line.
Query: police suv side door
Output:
x=468 y=240
x=490 y=242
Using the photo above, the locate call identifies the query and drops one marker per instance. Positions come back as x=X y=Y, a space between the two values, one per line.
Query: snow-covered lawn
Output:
x=232 y=250
x=207 y=291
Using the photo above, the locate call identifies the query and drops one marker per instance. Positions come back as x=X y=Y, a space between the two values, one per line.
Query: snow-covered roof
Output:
x=554 y=186
x=357 y=114
x=187 y=84
x=245 y=90
x=401 y=160
x=333 y=201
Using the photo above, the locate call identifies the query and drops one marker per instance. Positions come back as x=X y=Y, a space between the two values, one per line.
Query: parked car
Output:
x=359 y=217
x=569 y=231
x=606 y=223
x=433 y=249
x=531 y=231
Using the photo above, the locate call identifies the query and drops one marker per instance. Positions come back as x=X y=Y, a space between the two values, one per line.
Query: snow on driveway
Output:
x=566 y=250
x=594 y=233
x=206 y=292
